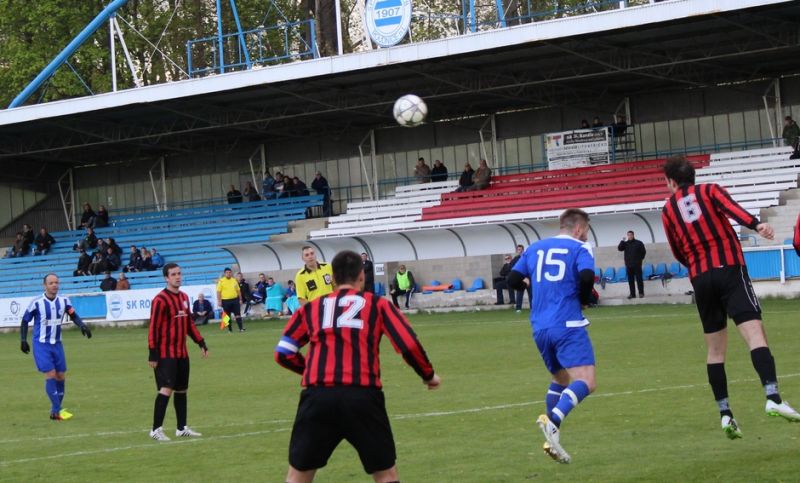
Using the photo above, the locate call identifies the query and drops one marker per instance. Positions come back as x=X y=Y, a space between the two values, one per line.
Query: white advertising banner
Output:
x=573 y=149
x=135 y=304
x=11 y=310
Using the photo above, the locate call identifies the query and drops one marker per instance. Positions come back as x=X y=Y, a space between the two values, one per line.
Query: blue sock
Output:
x=552 y=397
x=52 y=393
x=570 y=397
x=60 y=388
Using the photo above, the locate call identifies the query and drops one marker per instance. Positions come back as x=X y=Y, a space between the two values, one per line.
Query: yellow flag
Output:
x=225 y=321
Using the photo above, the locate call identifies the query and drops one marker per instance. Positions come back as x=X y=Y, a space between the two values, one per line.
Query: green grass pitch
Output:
x=652 y=418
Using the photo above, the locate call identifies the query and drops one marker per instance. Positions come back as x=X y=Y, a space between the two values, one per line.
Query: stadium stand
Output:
x=191 y=237
x=755 y=179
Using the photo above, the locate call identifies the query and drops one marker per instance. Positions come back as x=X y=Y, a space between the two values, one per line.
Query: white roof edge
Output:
x=463 y=44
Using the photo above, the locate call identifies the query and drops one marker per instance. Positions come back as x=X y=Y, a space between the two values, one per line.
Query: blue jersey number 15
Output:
x=550 y=261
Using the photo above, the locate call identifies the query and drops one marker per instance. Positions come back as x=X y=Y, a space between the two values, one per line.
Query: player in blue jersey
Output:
x=560 y=270
x=48 y=313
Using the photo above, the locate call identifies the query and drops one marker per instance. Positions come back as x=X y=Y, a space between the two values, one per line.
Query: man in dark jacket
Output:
x=43 y=242
x=791 y=134
x=439 y=172
x=321 y=186
x=634 y=256
x=244 y=289
x=500 y=283
x=27 y=238
x=201 y=310
x=83 y=264
x=234 y=195
x=109 y=283
x=369 y=273
x=465 y=181
x=135 y=261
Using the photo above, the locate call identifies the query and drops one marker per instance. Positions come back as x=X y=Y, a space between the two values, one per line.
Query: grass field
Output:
x=652 y=418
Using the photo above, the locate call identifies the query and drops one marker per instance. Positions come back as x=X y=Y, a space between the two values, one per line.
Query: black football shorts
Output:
x=725 y=292
x=172 y=373
x=327 y=415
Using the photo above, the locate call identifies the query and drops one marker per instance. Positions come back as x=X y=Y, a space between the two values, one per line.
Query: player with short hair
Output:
x=48 y=313
x=170 y=322
x=696 y=222
x=315 y=279
x=342 y=396
x=561 y=274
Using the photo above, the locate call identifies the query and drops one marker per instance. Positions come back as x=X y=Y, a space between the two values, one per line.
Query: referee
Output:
x=696 y=222
x=229 y=297
x=342 y=396
x=314 y=279
x=170 y=323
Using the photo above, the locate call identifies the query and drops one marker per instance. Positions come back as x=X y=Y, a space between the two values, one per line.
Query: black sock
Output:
x=239 y=322
x=160 y=410
x=719 y=386
x=764 y=364
x=179 y=400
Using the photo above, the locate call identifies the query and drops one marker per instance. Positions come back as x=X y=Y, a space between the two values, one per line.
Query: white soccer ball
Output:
x=410 y=110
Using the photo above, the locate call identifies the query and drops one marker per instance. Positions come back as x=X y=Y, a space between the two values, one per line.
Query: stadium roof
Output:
x=570 y=61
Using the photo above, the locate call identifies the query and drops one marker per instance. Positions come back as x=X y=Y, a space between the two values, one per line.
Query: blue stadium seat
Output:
x=477 y=284
x=684 y=272
x=661 y=271
x=456 y=285
x=622 y=275
x=647 y=271
x=610 y=274
x=674 y=268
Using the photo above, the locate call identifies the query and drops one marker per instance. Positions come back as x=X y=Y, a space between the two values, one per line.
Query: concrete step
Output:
x=649 y=300
x=299 y=230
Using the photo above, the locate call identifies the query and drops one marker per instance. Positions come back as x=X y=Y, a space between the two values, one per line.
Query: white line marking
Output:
x=397 y=417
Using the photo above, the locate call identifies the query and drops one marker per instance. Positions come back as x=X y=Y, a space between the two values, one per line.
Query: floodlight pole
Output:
x=113 y=54
x=65 y=54
x=339 y=26
x=220 y=48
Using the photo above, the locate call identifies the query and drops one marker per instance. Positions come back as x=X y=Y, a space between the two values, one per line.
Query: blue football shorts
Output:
x=49 y=356
x=564 y=347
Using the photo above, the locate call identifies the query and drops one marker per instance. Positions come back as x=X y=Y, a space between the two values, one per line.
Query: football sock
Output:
x=719 y=386
x=179 y=401
x=239 y=322
x=160 y=410
x=764 y=364
x=571 y=396
x=552 y=397
x=60 y=387
x=52 y=393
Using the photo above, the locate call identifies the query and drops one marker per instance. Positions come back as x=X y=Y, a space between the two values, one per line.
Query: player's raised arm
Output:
x=294 y=337
x=405 y=342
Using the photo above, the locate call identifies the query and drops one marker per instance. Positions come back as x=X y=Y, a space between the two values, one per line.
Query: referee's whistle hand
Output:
x=433 y=383
x=153 y=364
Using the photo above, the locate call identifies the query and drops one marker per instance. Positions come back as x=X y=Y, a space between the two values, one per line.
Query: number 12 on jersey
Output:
x=551 y=262
x=347 y=319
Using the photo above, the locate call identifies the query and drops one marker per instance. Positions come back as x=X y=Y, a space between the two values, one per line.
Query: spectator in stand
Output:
x=112 y=260
x=482 y=177
x=279 y=185
x=620 y=126
x=268 y=187
x=422 y=171
x=320 y=185
x=122 y=282
x=43 y=242
x=84 y=260
x=156 y=259
x=290 y=301
x=500 y=283
x=439 y=172
x=369 y=273
x=89 y=241
x=147 y=260
x=791 y=135
x=274 y=301
x=27 y=237
x=250 y=192
x=634 y=256
x=300 y=188
x=88 y=215
x=288 y=186
x=98 y=264
x=17 y=249
x=135 y=261
x=102 y=246
x=101 y=219
x=402 y=284
x=109 y=283
x=597 y=123
x=244 y=289
x=519 y=295
x=201 y=310
x=465 y=181
x=110 y=242
x=234 y=195
x=585 y=124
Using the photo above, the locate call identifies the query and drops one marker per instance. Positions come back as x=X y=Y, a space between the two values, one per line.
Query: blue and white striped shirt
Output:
x=47 y=316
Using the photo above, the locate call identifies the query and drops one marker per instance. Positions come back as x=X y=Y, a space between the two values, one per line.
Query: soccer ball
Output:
x=410 y=110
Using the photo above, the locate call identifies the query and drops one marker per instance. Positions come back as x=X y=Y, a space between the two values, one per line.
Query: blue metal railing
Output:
x=260 y=46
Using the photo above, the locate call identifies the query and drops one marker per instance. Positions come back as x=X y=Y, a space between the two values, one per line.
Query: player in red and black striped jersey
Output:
x=342 y=398
x=696 y=222
x=170 y=323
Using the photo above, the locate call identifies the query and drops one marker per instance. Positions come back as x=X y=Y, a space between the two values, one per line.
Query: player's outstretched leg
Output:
x=552 y=397
x=552 y=446
x=719 y=386
x=179 y=401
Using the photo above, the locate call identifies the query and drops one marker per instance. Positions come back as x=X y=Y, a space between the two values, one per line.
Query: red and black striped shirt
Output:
x=696 y=223
x=170 y=322
x=344 y=331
